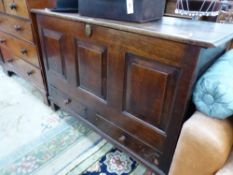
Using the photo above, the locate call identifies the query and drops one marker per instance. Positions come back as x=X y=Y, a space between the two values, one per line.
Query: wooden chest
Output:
x=131 y=82
x=18 y=41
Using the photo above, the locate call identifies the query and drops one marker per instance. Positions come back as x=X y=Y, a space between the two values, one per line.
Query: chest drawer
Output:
x=20 y=28
x=25 y=70
x=16 y=7
x=20 y=48
x=28 y=72
x=65 y=101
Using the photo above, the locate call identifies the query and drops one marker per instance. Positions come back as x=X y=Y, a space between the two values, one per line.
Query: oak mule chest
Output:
x=131 y=82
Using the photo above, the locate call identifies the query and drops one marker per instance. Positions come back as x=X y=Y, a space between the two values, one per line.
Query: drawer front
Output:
x=65 y=101
x=25 y=70
x=128 y=142
x=28 y=71
x=17 y=27
x=20 y=48
x=16 y=7
x=1 y=6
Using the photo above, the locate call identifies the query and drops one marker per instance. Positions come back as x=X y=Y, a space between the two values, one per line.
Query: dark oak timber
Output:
x=132 y=83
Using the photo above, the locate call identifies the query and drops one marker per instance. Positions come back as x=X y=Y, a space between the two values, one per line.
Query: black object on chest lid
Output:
x=69 y=6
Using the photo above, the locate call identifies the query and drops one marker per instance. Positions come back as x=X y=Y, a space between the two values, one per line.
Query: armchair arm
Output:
x=227 y=169
x=203 y=147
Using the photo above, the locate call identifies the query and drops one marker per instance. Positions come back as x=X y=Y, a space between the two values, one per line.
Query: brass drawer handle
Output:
x=18 y=27
x=24 y=51
x=67 y=101
x=29 y=73
x=122 y=138
x=13 y=6
x=2 y=41
x=88 y=30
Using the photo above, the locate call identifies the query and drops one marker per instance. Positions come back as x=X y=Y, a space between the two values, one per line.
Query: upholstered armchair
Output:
x=204 y=147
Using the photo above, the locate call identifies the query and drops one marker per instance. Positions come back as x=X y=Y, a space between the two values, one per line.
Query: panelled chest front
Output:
x=132 y=88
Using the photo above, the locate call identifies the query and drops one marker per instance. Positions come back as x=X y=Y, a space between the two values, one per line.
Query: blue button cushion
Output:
x=213 y=93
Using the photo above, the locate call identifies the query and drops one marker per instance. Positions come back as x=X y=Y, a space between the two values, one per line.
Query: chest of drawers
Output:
x=18 y=41
x=132 y=83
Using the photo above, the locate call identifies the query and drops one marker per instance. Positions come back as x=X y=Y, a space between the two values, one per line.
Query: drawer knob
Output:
x=122 y=138
x=88 y=30
x=2 y=41
x=67 y=101
x=13 y=6
x=10 y=60
x=18 y=27
x=30 y=72
x=24 y=51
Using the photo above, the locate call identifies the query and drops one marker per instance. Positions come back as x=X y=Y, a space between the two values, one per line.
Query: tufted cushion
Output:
x=213 y=93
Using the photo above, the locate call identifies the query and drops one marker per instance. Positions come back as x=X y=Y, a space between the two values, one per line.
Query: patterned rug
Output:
x=36 y=140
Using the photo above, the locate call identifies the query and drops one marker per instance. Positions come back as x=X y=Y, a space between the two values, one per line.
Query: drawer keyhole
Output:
x=30 y=72
x=122 y=138
x=13 y=6
x=67 y=101
x=24 y=51
x=18 y=27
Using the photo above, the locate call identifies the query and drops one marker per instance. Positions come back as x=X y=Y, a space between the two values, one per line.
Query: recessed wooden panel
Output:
x=54 y=51
x=146 y=88
x=92 y=68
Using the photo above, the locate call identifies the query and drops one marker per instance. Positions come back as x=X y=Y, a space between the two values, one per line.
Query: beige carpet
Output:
x=36 y=140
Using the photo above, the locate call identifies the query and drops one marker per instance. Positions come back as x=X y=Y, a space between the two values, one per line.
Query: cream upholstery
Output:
x=228 y=167
x=203 y=147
